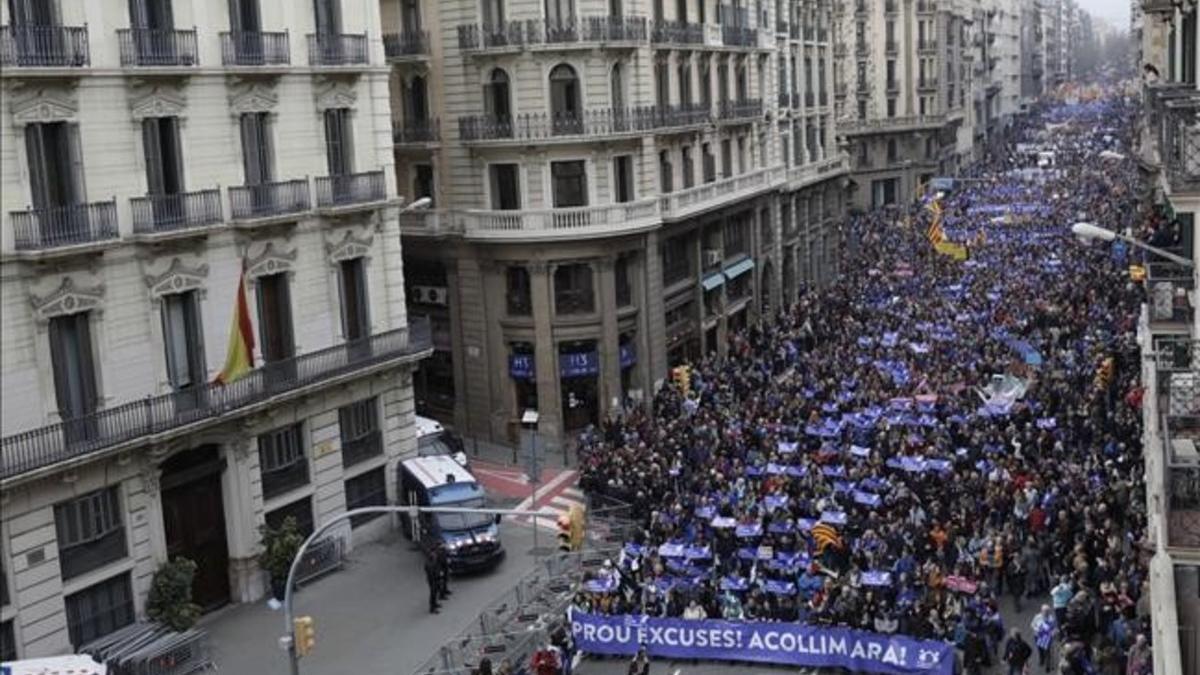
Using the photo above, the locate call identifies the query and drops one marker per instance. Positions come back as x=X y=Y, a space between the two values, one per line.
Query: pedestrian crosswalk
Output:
x=555 y=499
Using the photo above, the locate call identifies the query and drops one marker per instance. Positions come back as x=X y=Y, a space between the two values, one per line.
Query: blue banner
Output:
x=628 y=355
x=578 y=364
x=520 y=366
x=794 y=644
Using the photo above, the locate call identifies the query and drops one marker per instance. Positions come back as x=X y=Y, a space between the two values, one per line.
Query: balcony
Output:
x=350 y=189
x=891 y=46
x=681 y=116
x=1179 y=144
x=927 y=45
x=1159 y=6
x=891 y=124
x=861 y=48
x=840 y=50
x=131 y=424
x=746 y=110
x=64 y=226
x=157 y=48
x=573 y=223
x=255 y=49
x=785 y=100
x=269 y=201
x=428 y=223
x=44 y=47
x=586 y=31
x=860 y=7
x=597 y=123
x=781 y=27
x=822 y=98
x=694 y=200
x=890 y=7
x=1169 y=287
x=337 y=49
x=892 y=86
x=406 y=45
x=927 y=84
x=676 y=33
x=926 y=7
x=739 y=36
x=417 y=132
x=810 y=99
x=164 y=214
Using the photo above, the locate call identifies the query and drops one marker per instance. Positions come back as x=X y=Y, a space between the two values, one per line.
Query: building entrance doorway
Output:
x=194 y=521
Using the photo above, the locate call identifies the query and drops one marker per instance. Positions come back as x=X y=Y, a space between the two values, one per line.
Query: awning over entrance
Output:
x=739 y=268
x=713 y=281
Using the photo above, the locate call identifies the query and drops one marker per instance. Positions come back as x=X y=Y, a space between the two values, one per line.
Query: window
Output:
x=564 y=93
x=892 y=150
x=705 y=83
x=862 y=109
x=257 y=158
x=505 y=187
x=710 y=163
x=726 y=158
x=736 y=241
x=55 y=166
x=864 y=158
x=569 y=184
x=676 y=260
x=359 y=427
x=164 y=158
x=369 y=489
x=624 y=289
x=685 y=83
x=616 y=85
x=493 y=13
x=423 y=182
x=930 y=147
x=665 y=182
x=417 y=100
x=181 y=340
x=560 y=12
x=355 y=323
x=495 y=97
x=723 y=82
x=689 y=167
x=339 y=145
x=573 y=289
x=519 y=293
x=300 y=510
x=328 y=17
x=99 y=610
x=8 y=642
x=71 y=361
x=275 y=317
x=891 y=107
x=662 y=84
x=91 y=532
x=741 y=154
x=623 y=178
x=282 y=461
x=891 y=74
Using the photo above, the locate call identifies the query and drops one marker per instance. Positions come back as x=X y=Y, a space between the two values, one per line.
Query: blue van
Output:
x=472 y=540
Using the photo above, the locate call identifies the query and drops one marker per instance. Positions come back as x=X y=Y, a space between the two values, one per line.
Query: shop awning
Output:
x=713 y=281
x=739 y=268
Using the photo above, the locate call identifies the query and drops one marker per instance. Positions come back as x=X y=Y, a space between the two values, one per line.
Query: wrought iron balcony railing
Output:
x=736 y=110
x=157 y=47
x=891 y=46
x=337 y=49
x=677 y=33
x=1179 y=143
x=156 y=214
x=571 y=30
x=44 y=46
x=927 y=45
x=50 y=228
x=926 y=6
x=417 y=131
x=350 y=188
x=267 y=200
x=596 y=123
x=406 y=43
x=927 y=83
x=255 y=48
x=75 y=438
x=739 y=36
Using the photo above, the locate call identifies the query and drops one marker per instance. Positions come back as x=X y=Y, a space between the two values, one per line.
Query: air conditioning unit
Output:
x=710 y=257
x=430 y=295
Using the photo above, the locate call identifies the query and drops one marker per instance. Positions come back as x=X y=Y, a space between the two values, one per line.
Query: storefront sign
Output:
x=520 y=366
x=578 y=364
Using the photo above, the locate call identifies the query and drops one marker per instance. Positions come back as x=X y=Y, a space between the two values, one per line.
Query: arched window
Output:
x=564 y=100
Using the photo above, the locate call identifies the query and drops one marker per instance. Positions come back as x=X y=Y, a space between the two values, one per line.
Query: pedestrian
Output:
x=1016 y=652
x=432 y=579
x=640 y=665
x=443 y=568
x=1044 y=625
x=1138 y=661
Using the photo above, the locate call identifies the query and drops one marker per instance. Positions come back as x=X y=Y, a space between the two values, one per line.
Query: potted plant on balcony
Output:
x=279 y=546
x=170 y=599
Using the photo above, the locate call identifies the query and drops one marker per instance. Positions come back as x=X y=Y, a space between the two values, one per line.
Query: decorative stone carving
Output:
x=160 y=102
x=45 y=105
x=178 y=278
x=335 y=95
x=271 y=261
x=67 y=299
x=348 y=248
x=151 y=477
x=253 y=98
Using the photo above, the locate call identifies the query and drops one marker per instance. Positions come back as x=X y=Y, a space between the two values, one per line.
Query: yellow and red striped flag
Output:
x=825 y=535
x=935 y=233
x=239 y=355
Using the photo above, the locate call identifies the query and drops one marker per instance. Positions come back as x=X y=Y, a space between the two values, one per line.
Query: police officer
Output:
x=433 y=580
x=443 y=568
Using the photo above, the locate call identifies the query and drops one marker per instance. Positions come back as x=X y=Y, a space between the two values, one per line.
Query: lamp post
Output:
x=1091 y=231
x=418 y=205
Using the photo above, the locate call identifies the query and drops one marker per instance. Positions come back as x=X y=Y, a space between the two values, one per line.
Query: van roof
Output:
x=433 y=471
x=57 y=665
x=428 y=427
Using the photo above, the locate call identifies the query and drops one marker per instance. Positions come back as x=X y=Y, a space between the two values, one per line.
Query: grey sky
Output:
x=1116 y=12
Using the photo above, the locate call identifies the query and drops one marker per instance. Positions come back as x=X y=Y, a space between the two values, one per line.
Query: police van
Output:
x=472 y=540
x=434 y=439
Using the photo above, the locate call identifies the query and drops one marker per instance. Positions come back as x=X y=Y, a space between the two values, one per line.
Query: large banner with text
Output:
x=793 y=644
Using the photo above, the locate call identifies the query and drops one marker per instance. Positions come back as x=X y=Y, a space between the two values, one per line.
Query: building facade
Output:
x=617 y=185
x=1168 y=151
x=152 y=153
x=997 y=91
x=908 y=110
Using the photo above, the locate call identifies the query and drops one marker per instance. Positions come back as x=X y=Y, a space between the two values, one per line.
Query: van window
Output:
x=451 y=522
x=430 y=446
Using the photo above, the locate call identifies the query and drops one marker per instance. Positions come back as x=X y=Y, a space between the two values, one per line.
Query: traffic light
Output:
x=304 y=632
x=564 y=532
x=682 y=375
x=575 y=516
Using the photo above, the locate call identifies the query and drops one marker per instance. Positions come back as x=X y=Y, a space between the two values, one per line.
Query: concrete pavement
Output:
x=371 y=617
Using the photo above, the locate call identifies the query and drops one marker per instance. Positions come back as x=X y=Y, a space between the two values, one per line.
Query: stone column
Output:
x=609 y=347
x=546 y=356
x=243 y=507
x=652 y=339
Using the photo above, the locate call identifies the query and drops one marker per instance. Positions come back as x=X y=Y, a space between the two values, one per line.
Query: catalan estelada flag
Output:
x=825 y=535
x=239 y=355
x=935 y=233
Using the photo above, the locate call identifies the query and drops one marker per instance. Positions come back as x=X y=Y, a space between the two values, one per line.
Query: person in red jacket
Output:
x=545 y=662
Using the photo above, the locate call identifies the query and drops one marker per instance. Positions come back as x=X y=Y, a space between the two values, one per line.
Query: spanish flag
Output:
x=824 y=535
x=239 y=355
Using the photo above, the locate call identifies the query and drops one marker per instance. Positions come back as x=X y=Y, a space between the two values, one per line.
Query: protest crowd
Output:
x=927 y=447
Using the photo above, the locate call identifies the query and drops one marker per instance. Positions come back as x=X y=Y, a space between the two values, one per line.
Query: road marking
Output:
x=548 y=488
x=575 y=492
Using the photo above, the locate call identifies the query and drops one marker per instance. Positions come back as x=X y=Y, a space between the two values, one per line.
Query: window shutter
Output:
x=77 y=187
x=154 y=160
x=39 y=182
x=168 y=128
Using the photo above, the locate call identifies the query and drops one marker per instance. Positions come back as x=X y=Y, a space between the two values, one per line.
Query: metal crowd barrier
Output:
x=152 y=649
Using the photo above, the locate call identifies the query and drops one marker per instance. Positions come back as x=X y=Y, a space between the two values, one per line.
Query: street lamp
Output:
x=1091 y=231
x=418 y=205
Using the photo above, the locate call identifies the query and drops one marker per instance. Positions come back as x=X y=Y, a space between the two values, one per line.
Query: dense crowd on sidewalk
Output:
x=926 y=444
